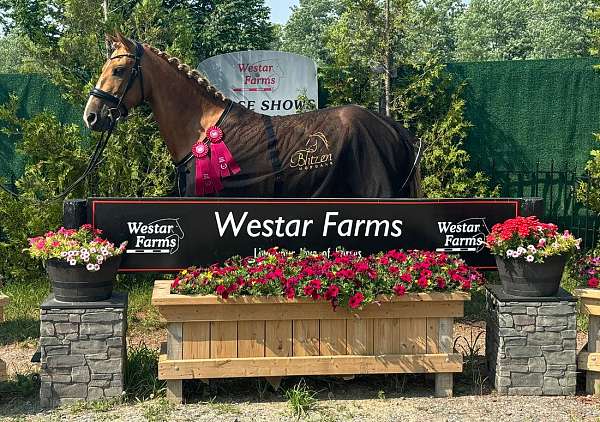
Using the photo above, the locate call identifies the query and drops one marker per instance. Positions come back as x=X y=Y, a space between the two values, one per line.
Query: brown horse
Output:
x=345 y=151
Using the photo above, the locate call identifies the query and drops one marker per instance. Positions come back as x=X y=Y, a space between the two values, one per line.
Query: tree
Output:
x=524 y=29
x=306 y=29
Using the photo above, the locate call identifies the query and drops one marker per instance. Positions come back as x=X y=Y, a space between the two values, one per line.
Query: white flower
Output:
x=92 y=250
x=96 y=267
x=64 y=254
x=100 y=260
x=510 y=253
x=75 y=253
x=521 y=250
x=70 y=253
x=90 y=267
x=531 y=248
x=85 y=258
x=529 y=258
x=72 y=262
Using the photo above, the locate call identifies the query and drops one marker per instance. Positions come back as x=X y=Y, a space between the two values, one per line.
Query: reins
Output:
x=95 y=159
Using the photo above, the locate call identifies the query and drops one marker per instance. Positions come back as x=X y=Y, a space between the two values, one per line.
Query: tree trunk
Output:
x=388 y=60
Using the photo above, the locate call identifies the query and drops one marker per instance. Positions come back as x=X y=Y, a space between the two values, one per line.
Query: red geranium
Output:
x=356 y=300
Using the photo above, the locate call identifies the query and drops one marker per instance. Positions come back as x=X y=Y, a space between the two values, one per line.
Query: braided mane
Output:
x=189 y=72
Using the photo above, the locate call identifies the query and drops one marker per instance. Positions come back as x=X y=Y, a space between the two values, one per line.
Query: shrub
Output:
x=141 y=374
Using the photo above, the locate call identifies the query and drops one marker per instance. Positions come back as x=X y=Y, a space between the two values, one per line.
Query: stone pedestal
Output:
x=531 y=343
x=83 y=350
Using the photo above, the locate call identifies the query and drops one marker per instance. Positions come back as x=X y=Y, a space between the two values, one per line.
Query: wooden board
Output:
x=359 y=334
x=278 y=338
x=589 y=361
x=306 y=337
x=433 y=340
x=161 y=296
x=196 y=340
x=332 y=337
x=309 y=365
x=412 y=336
x=174 y=352
x=386 y=336
x=223 y=339
x=251 y=339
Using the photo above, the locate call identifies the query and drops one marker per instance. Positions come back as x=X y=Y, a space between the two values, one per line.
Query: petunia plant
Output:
x=586 y=270
x=343 y=278
x=83 y=246
x=529 y=239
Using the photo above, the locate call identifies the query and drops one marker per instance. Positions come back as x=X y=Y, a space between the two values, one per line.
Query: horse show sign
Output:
x=268 y=82
x=167 y=235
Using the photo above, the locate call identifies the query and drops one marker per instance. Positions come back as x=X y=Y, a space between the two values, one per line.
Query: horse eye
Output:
x=118 y=71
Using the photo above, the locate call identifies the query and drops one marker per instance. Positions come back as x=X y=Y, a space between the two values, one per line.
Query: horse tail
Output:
x=411 y=185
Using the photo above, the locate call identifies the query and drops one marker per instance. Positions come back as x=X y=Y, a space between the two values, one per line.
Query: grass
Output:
x=224 y=408
x=300 y=399
x=141 y=374
x=21 y=386
x=142 y=317
x=157 y=410
x=98 y=406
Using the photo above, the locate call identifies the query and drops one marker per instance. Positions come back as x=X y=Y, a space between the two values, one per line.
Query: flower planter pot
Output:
x=530 y=279
x=247 y=336
x=74 y=283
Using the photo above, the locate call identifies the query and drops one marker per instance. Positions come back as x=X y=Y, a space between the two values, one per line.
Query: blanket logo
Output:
x=158 y=237
x=465 y=236
x=315 y=154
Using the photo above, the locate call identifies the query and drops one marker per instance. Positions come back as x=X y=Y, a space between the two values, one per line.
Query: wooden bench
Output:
x=273 y=337
x=3 y=304
x=589 y=357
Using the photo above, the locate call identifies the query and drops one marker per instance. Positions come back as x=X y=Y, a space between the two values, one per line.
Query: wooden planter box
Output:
x=589 y=357
x=272 y=337
x=3 y=303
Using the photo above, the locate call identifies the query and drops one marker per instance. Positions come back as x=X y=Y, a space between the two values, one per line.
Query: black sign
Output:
x=170 y=234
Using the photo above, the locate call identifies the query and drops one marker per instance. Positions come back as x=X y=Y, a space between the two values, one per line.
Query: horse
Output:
x=220 y=148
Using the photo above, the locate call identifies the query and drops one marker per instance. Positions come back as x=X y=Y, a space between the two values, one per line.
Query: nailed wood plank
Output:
x=317 y=310
x=175 y=352
x=309 y=365
x=278 y=338
x=444 y=380
x=590 y=306
x=589 y=361
x=412 y=335
x=443 y=385
x=587 y=293
x=306 y=337
x=332 y=337
x=196 y=340
x=223 y=339
x=251 y=339
x=360 y=336
x=161 y=296
x=433 y=339
x=386 y=336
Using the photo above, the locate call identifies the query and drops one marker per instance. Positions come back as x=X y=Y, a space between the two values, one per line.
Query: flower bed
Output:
x=273 y=317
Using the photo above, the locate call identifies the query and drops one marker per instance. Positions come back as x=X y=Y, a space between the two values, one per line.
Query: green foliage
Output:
x=300 y=399
x=523 y=29
x=588 y=190
x=141 y=374
x=426 y=99
x=22 y=386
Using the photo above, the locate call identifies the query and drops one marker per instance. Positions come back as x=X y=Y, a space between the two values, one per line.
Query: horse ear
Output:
x=125 y=42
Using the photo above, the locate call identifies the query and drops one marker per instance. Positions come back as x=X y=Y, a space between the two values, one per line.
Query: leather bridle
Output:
x=136 y=72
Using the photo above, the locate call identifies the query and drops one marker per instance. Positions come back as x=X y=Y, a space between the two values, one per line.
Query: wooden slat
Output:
x=332 y=337
x=175 y=352
x=587 y=293
x=413 y=335
x=223 y=339
x=317 y=310
x=589 y=361
x=386 y=338
x=196 y=340
x=432 y=335
x=161 y=296
x=251 y=339
x=444 y=379
x=3 y=371
x=590 y=306
x=278 y=338
x=309 y=365
x=306 y=337
x=360 y=336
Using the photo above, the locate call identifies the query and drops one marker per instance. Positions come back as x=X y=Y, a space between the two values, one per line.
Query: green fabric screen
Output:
x=35 y=95
x=528 y=111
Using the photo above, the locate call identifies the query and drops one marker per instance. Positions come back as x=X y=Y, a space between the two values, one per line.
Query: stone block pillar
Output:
x=531 y=343
x=83 y=350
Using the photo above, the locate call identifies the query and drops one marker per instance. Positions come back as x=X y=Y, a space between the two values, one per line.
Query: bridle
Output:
x=136 y=72
x=121 y=112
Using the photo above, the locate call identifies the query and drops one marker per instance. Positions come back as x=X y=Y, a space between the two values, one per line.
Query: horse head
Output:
x=119 y=87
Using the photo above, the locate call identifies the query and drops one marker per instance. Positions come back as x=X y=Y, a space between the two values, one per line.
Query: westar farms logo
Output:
x=465 y=236
x=158 y=237
x=315 y=155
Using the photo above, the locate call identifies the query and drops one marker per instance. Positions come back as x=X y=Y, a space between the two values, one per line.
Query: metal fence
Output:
x=557 y=184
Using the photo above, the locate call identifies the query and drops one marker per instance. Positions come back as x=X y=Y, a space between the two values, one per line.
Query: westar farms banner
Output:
x=170 y=234
x=268 y=82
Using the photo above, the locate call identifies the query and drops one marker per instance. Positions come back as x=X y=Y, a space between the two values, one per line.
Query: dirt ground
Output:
x=366 y=398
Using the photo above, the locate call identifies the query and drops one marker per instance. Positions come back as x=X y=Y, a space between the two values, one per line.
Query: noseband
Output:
x=136 y=71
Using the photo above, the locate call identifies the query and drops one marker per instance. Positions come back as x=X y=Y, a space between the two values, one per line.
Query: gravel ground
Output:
x=366 y=398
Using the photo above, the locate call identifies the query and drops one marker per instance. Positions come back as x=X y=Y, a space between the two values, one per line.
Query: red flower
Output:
x=332 y=292
x=356 y=300
x=593 y=282
x=393 y=269
x=422 y=282
x=441 y=283
x=362 y=267
x=406 y=277
x=399 y=289
x=466 y=284
x=175 y=283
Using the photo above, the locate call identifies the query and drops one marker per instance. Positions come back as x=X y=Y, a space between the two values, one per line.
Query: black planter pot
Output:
x=530 y=279
x=74 y=283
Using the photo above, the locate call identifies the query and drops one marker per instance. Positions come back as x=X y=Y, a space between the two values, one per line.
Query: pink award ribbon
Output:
x=207 y=180
x=220 y=156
